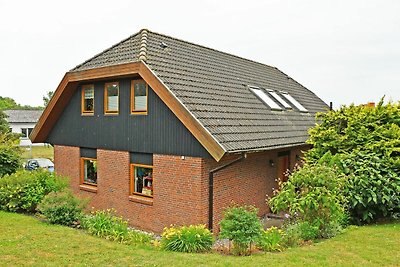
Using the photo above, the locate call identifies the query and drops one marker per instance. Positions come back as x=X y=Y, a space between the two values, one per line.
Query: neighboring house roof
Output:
x=213 y=87
x=23 y=116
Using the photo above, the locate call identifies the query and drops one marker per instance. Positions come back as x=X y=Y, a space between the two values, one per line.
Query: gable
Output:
x=160 y=131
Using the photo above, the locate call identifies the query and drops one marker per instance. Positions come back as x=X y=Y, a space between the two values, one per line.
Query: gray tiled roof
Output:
x=20 y=116
x=214 y=87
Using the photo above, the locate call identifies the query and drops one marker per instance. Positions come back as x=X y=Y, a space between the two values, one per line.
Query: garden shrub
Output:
x=105 y=224
x=313 y=194
x=23 y=190
x=10 y=154
x=271 y=240
x=292 y=235
x=193 y=238
x=61 y=207
x=242 y=226
x=364 y=143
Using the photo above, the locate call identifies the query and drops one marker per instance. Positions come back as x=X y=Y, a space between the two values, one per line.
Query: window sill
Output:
x=135 y=113
x=87 y=114
x=88 y=188
x=141 y=200
x=111 y=114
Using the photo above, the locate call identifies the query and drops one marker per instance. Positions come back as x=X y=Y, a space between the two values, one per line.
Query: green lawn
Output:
x=25 y=240
x=38 y=152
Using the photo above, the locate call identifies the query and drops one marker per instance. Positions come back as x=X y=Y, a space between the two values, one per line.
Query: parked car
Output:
x=33 y=164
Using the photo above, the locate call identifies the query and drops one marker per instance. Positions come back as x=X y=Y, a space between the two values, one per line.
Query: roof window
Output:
x=262 y=95
x=294 y=102
x=279 y=99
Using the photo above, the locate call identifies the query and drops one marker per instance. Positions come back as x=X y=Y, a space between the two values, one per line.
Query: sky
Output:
x=344 y=51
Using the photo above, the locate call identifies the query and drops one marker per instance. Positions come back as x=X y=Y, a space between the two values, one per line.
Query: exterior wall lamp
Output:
x=271 y=163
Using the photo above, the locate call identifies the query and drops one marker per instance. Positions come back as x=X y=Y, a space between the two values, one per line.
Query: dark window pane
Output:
x=143 y=178
x=90 y=171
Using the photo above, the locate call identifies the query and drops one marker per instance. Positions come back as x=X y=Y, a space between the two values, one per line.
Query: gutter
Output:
x=211 y=188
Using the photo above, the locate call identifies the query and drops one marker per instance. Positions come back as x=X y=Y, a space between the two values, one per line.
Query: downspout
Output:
x=211 y=188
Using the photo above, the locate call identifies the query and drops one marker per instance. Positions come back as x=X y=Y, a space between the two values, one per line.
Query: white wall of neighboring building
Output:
x=17 y=128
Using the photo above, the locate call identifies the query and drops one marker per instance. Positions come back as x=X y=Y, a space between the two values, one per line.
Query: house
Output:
x=23 y=122
x=170 y=132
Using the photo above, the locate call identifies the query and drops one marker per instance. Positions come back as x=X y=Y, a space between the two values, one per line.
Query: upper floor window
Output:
x=139 y=92
x=88 y=99
x=111 y=98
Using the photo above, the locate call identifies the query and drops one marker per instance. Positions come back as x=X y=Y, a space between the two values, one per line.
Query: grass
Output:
x=24 y=240
x=38 y=152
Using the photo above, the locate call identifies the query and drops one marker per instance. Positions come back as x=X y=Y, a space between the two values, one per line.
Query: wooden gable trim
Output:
x=71 y=80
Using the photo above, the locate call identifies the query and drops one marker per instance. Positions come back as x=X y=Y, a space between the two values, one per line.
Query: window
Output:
x=139 y=93
x=294 y=102
x=26 y=132
x=111 y=98
x=88 y=99
x=279 y=99
x=262 y=95
x=89 y=171
x=141 y=180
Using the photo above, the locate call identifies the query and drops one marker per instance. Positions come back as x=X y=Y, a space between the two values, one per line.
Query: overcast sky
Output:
x=344 y=51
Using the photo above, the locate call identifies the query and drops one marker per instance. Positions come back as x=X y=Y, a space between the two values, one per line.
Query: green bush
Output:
x=292 y=235
x=61 y=208
x=242 y=226
x=309 y=231
x=364 y=143
x=105 y=224
x=23 y=190
x=271 y=240
x=193 y=238
x=10 y=154
x=313 y=193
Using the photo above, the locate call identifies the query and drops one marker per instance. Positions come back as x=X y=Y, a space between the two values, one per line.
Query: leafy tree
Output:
x=7 y=103
x=10 y=153
x=47 y=97
x=364 y=142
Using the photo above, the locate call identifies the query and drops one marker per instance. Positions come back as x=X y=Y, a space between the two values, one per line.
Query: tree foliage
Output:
x=47 y=97
x=364 y=143
x=10 y=153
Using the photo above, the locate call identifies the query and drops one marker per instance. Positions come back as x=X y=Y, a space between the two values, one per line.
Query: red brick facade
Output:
x=180 y=185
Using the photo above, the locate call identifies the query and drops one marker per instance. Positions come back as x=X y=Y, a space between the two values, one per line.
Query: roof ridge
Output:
x=111 y=47
x=143 y=45
x=213 y=49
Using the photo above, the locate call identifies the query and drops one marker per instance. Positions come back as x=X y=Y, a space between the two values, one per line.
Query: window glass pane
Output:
x=24 y=132
x=90 y=171
x=279 y=98
x=30 y=131
x=140 y=96
x=143 y=179
x=88 y=101
x=112 y=97
x=265 y=98
x=294 y=102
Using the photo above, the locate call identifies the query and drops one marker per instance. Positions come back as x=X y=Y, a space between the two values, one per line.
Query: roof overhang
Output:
x=71 y=81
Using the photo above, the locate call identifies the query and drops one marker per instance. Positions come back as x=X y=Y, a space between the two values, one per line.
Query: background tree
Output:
x=47 y=97
x=10 y=153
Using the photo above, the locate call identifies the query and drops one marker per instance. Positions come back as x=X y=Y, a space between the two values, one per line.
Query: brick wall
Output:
x=178 y=188
x=180 y=185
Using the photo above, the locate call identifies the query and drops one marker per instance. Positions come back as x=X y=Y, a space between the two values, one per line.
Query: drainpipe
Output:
x=211 y=187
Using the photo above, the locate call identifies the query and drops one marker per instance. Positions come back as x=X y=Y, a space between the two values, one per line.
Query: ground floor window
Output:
x=141 y=180
x=89 y=171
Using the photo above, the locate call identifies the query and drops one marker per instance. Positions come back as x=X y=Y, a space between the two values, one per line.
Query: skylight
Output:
x=279 y=99
x=265 y=98
x=294 y=102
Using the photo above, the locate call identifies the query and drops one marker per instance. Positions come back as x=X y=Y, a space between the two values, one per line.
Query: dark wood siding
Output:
x=158 y=132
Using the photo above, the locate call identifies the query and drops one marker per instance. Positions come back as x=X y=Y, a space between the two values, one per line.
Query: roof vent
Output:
x=163 y=45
